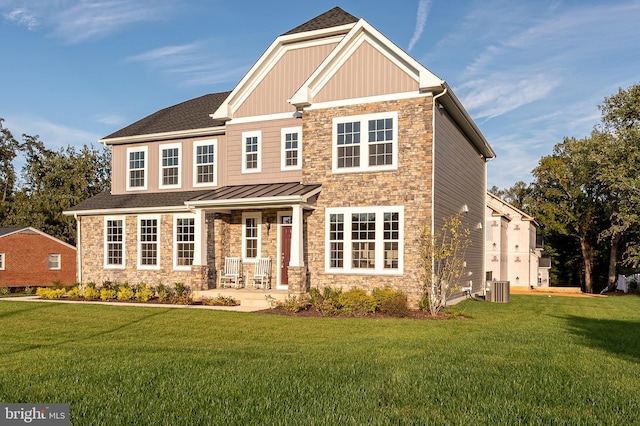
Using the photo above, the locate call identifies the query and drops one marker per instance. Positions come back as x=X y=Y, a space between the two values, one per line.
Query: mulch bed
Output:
x=412 y=314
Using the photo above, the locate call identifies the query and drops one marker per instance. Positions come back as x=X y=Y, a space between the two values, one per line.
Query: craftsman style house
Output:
x=513 y=248
x=328 y=158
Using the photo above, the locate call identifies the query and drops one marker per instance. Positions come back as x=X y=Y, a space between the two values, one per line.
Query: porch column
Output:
x=200 y=240
x=297 y=245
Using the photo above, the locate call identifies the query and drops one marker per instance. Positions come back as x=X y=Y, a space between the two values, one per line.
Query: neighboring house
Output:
x=513 y=248
x=29 y=257
x=329 y=157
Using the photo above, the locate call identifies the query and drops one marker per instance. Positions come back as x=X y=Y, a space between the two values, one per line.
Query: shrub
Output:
x=107 y=294
x=180 y=289
x=4 y=291
x=357 y=302
x=124 y=292
x=28 y=290
x=182 y=295
x=74 y=293
x=294 y=303
x=327 y=301
x=220 y=300
x=90 y=292
x=42 y=292
x=57 y=284
x=162 y=292
x=50 y=293
x=391 y=301
x=143 y=293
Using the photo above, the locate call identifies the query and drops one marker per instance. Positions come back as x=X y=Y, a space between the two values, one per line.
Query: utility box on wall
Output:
x=498 y=291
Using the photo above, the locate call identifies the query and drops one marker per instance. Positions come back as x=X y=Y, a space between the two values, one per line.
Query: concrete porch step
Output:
x=255 y=299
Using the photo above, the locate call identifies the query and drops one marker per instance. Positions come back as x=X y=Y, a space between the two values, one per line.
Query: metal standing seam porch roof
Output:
x=245 y=196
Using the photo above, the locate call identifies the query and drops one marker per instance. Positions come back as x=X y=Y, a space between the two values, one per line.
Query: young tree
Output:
x=442 y=256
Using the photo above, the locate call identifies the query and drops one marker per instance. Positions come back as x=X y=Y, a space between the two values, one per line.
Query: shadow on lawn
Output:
x=93 y=336
x=618 y=337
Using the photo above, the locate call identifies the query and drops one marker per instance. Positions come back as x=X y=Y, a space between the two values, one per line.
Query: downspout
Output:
x=78 y=247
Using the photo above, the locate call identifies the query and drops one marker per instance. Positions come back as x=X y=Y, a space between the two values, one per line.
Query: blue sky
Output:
x=529 y=72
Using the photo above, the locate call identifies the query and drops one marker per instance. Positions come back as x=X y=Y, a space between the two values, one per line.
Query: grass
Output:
x=536 y=360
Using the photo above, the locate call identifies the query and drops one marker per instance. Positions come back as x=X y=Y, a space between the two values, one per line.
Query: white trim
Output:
x=283 y=151
x=128 y=210
x=364 y=143
x=130 y=150
x=379 y=240
x=2 y=262
x=107 y=265
x=196 y=229
x=265 y=117
x=58 y=260
x=155 y=137
x=139 y=243
x=281 y=214
x=200 y=143
x=246 y=135
x=161 y=148
x=258 y=217
x=367 y=100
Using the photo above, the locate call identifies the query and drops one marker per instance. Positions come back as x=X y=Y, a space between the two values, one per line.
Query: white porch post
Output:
x=297 y=246
x=200 y=241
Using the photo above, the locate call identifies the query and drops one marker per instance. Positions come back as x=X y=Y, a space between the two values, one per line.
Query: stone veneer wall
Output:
x=409 y=186
x=92 y=246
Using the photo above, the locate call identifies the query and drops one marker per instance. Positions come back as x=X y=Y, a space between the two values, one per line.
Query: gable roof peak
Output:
x=332 y=18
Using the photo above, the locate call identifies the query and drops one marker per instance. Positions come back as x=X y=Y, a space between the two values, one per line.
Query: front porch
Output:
x=250 y=299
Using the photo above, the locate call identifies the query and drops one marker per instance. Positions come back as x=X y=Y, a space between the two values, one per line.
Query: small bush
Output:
x=50 y=293
x=179 y=289
x=124 y=293
x=90 y=292
x=357 y=302
x=294 y=303
x=220 y=300
x=74 y=293
x=162 y=292
x=327 y=301
x=57 y=284
x=28 y=290
x=108 y=294
x=143 y=293
x=5 y=291
x=391 y=301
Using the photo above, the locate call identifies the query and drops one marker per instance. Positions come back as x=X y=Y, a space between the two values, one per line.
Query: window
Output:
x=54 y=262
x=365 y=143
x=2 y=262
x=251 y=235
x=291 y=148
x=367 y=240
x=137 y=168
x=185 y=236
x=114 y=242
x=204 y=160
x=148 y=238
x=170 y=166
x=251 y=152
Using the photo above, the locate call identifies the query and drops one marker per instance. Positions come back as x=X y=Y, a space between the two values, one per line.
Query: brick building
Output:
x=328 y=157
x=29 y=257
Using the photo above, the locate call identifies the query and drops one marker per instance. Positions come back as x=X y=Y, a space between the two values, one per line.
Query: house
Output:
x=329 y=157
x=513 y=248
x=29 y=257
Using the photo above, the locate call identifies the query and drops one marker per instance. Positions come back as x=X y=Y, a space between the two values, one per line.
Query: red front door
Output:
x=285 y=253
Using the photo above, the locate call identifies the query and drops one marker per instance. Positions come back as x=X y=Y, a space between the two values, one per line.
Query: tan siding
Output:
x=459 y=179
x=366 y=73
x=271 y=149
x=272 y=93
x=119 y=169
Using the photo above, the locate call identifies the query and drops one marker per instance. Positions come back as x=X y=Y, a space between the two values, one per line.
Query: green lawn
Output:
x=536 y=360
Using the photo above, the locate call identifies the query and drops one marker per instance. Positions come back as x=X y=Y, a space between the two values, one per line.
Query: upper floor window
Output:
x=137 y=168
x=291 y=148
x=251 y=152
x=170 y=166
x=114 y=242
x=204 y=160
x=148 y=241
x=54 y=262
x=365 y=143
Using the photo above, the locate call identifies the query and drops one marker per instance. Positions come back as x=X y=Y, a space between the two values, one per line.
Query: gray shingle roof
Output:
x=106 y=201
x=9 y=230
x=188 y=115
x=331 y=18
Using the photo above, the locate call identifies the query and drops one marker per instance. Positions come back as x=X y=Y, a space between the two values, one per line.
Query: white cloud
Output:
x=421 y=20
x=22 y=16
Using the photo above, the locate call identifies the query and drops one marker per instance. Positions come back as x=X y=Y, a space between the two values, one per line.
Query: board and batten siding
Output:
x=281 y=82
x=460 y=180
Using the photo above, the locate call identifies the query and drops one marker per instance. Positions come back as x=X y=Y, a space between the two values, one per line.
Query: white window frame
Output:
x=258 y=217
x=158 y=240
x=196 y=145
x=56 y=259
x=364 y=143
x=258 y=135
x=283 y=157
x=196 y=229
x=108 y=265
x=161 y=168
x=379 y=268
x=2 y=262
x=145 y=169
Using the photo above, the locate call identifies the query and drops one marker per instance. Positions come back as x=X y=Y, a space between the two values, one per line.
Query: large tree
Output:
x=9 y=148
